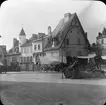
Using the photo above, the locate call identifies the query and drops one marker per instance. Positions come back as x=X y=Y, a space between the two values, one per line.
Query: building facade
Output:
x=3 y=53
x=101 y=41
x=12 y=57
x=37 y=46
x=67 y=39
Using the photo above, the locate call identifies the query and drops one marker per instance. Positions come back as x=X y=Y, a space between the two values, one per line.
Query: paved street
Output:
x=47 y=77
x=41 y=88
x=31 y=93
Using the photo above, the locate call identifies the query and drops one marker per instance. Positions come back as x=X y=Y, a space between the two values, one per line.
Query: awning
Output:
x=50 y=59
x=103 y=57
x=87 y=57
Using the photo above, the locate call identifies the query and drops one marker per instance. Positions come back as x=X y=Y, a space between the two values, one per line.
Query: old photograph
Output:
x=52 y=52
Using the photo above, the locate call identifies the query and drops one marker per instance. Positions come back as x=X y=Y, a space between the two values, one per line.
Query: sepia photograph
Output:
x=52 y=52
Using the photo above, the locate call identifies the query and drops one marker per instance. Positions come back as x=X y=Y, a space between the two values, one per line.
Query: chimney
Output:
x=67 y=17
x=14 y=43
x=33 y=35
x=86 y=34
x=41 y=35
x=49 y=30
x=53 y=44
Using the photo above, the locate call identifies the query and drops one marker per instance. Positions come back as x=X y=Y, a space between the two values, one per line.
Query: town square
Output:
x=52 y=52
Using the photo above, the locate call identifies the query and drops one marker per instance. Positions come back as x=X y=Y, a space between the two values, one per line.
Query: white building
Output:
x=37 y=46
x=101 y=41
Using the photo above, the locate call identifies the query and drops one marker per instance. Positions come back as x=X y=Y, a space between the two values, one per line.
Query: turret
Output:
x=22 y=38
x=49 y=30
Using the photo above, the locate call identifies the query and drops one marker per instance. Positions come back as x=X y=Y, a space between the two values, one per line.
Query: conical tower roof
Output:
x=22 y=33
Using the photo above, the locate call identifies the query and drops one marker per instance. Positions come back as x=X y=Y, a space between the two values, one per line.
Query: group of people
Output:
x=76 y=64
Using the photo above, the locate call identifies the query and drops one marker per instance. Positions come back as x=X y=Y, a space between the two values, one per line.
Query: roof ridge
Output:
x=22 y=33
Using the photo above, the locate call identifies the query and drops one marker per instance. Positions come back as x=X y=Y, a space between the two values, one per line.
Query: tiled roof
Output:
x=34 y=36
x=59 y=32
x=22 y=32
x=28 y=43
x=40 y=39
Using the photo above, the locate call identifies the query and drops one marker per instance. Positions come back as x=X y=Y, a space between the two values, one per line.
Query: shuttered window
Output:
x=34 y=47
x=39 y=47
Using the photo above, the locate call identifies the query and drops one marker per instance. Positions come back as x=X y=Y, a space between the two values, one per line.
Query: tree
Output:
x=96 y=48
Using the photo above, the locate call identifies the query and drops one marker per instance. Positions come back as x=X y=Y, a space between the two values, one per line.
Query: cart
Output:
x=84 y=67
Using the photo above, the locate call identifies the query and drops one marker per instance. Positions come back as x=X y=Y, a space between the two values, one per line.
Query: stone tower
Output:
x=22 y=38
x=49 y=30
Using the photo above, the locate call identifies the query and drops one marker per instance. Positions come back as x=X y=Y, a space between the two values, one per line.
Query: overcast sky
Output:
x=36 y=15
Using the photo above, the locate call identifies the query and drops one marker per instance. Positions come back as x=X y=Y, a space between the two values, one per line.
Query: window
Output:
x=67 y=41
x=39 y=47
x=31 y=49
x=31 y=59
x=34 y=47
x=20 y=59
x=25 y=50
x=21 y=50
x=12 y=59
x=24 y=59
x=27 y=59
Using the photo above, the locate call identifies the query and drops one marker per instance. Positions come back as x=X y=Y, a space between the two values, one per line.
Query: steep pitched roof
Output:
x=85 y=37
x=22 y=33
x=28 y=43
x=34 y=37
x=61 y=31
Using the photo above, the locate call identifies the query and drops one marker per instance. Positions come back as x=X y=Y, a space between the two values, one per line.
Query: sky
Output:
x=36 y=15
